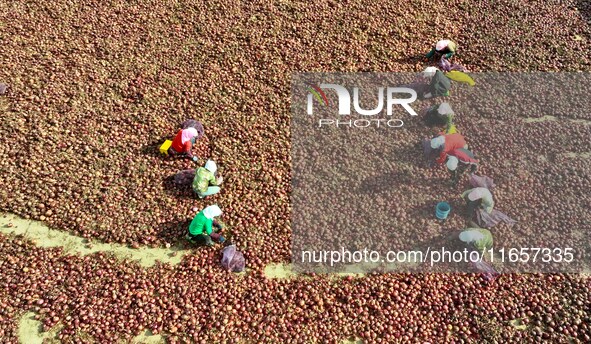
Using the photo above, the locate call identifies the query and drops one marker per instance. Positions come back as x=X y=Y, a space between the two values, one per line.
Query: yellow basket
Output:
x=165 y=146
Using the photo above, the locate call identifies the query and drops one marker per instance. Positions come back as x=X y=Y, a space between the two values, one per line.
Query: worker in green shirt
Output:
x=201 y=229
x=205 y=182
x=479 y=238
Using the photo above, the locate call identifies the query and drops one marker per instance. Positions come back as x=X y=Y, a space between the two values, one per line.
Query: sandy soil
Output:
x=30 y=331
x=148 y=338
x=45 y=237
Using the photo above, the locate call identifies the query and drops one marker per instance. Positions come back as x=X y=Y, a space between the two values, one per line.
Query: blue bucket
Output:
x=442 y=209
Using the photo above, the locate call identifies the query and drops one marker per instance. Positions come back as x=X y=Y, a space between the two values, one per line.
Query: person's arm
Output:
x=454 y=177
x=430 y=53
x=466 y=193
x=187 y=147
x=208 y=228
x=450 y=119
x=212 y=180
x=442 y=156
x=488 y=206
x=473 y=205
x=451 y=47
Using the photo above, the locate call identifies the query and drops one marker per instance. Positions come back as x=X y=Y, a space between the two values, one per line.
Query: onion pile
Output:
x=110 y=300
x=94 y=89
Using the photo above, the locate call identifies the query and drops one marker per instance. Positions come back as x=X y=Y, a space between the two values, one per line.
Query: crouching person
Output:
x=458 y=162
x=205 y=182
x=444 y=47
x=477 y=199
x=183 y=143
x=203 y=230
x=481 y=241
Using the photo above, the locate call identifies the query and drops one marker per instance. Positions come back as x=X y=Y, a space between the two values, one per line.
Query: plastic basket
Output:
x=165 y=146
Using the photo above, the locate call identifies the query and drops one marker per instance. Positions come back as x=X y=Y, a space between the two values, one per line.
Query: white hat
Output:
x=211 y=166
x=437 y=142
x=470 y=236
x=212 y=211
x=444 y=109
x=429 y=71
x=452 y=163
x=442 y=44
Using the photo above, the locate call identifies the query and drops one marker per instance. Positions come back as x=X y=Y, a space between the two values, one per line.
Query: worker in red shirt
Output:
x=447 y=143
x=183 y=142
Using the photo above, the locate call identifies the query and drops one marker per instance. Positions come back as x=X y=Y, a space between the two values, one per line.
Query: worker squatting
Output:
x=361 y=123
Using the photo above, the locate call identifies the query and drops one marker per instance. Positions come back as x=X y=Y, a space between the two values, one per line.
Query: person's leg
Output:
x=428 y=152
x=460 y=171
x=467 y=152
x=454 y=177
x=212 y=190
x=208 y=240
x=173 y=153
x=472 y=206
x=184 y=177
x=199 y=240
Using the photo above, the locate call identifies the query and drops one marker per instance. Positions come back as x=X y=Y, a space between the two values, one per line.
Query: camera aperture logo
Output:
x=316 y=94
